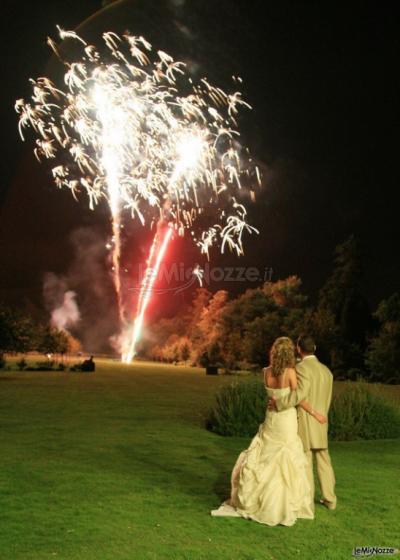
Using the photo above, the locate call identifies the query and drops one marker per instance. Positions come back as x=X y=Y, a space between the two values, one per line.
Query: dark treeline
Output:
x=237 y=333
x=20 y=333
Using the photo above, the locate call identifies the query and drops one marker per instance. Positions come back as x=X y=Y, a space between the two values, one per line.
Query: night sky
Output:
x=322 y=80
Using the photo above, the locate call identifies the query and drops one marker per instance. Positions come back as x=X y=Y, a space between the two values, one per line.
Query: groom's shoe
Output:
x=329 y=505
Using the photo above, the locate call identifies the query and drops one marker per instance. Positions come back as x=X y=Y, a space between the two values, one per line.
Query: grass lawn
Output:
x=116 y=465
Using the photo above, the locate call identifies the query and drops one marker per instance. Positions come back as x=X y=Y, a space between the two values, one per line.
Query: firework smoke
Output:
x=60 y=301
x=67 y=314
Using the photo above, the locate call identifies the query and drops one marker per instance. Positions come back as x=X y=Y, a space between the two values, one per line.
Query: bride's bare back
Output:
x=287 y=379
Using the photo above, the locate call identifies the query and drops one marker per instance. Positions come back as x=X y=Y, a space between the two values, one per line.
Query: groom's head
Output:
x=305 y=345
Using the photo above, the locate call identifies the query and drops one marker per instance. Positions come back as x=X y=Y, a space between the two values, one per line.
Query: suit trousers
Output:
x=325 y=473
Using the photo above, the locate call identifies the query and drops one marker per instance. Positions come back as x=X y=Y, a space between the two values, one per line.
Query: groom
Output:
x=314 y=385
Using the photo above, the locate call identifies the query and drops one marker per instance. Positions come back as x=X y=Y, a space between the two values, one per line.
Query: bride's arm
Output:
x=300 y=386
x=304 y=404
x=308 y=408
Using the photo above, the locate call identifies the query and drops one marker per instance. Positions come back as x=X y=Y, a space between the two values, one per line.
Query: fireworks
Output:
x=141 y=135
x=132 y=335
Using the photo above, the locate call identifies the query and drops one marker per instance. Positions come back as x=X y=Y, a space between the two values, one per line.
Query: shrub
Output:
x=2 y=362
x=227 y=371
x=383 y=354
x=44 y=366
x=239 y=408
x=356 y=374
x=357 y=413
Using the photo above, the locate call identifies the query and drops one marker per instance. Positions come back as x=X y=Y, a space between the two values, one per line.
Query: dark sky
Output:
x=323 y=82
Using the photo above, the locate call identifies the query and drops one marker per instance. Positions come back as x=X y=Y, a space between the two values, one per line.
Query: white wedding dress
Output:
x=269 y=482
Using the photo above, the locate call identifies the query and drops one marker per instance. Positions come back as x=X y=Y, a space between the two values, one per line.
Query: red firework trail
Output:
x=156 y=255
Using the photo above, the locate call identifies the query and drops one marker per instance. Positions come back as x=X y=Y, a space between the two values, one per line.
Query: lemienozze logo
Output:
x=359 y=551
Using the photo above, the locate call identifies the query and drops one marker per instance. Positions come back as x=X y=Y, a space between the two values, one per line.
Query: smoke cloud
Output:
x=67 y=314
x=87 y=281
x=60 y=301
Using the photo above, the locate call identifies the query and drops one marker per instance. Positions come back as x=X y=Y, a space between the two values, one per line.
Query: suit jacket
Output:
x=315 y=383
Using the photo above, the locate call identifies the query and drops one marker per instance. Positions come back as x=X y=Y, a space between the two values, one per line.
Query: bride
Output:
x=269 y=482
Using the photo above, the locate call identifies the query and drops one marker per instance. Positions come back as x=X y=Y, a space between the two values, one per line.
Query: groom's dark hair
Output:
x=306 y=343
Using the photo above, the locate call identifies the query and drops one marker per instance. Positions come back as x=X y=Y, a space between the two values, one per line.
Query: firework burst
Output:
x=141 y=135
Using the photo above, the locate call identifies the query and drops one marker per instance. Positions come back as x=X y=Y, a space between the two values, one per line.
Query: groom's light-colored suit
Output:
x=315 y=383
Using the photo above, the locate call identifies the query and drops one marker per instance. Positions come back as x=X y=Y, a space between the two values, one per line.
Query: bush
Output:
x=44 y=366
x=2 y=363
x=383 y=354
x=239 y=409
x=227 y=371
x=357 y=413
x=355 y=374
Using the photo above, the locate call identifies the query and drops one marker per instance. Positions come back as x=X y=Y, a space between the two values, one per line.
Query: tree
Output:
x=6 y=334
x=200 y=302
x=73 y=344
x=183 y=337
x=211 y=315
x=260 y=316
x=383 y=353
x=17 y=332
x=286 y=293
x=342 y=299
x=185 y=351
x=345 y=276
x=320 y=323
x=244 y=309
x=209 y=328
x=53 y=341
x=232 y=349
x=259 y=337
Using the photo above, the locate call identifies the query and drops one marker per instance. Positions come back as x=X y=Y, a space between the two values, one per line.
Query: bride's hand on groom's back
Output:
x=320 y=417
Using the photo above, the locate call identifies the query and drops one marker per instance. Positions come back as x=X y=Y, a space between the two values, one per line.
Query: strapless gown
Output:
x=269 y=481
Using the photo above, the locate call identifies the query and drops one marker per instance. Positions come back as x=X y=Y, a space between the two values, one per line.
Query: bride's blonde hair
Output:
x=282 y=355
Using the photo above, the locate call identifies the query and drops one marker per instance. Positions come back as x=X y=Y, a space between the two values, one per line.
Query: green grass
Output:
x=116 y=465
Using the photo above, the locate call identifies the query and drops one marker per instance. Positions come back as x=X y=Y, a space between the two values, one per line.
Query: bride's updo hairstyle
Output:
x=282 y=355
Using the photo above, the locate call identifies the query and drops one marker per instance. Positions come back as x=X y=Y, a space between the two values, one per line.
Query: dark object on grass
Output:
x=86 y=365
x=211 y=370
